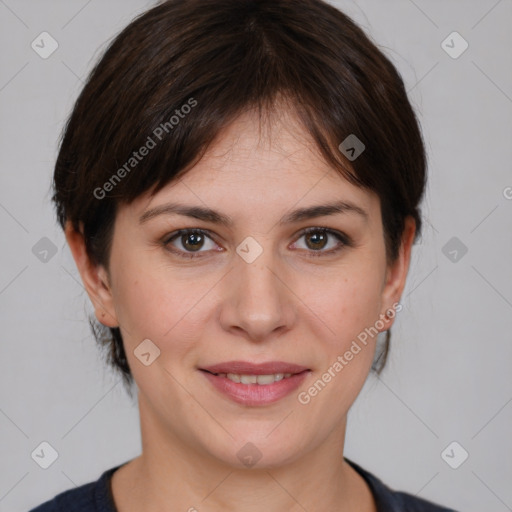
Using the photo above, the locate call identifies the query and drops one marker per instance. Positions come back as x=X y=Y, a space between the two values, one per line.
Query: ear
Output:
x=396 y=273
x=94 y=277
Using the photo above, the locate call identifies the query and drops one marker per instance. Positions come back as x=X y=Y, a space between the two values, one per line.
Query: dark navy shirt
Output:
x=97 y=497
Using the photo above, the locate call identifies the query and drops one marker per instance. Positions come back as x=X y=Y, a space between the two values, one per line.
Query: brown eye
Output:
x=317 y=239
x=191 y=241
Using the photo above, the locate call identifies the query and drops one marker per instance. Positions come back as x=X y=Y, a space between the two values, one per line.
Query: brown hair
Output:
x=220 y=58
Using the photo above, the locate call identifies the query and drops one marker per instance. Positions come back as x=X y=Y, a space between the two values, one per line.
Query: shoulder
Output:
x=389 y=500
x=79 y=499
x=94 y=496
x=414 y=504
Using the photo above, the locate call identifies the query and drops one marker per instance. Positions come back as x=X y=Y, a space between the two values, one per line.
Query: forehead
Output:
x=278 y=142
x=256 y=166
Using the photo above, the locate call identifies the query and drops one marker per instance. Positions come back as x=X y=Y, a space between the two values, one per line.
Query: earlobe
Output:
x=94 y=278
x=396 y=273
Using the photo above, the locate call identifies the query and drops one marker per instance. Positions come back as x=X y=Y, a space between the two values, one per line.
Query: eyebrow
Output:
x=209 y=215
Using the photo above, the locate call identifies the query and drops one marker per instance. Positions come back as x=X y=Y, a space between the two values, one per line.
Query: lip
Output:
x=246 y=368
x=256 y=394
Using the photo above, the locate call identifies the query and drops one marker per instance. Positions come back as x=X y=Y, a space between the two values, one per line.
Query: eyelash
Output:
x=344 y=240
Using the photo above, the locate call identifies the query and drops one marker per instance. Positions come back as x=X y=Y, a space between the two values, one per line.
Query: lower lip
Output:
x=256 y=394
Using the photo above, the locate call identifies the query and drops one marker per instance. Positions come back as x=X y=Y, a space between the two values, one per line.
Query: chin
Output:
x=259 y=452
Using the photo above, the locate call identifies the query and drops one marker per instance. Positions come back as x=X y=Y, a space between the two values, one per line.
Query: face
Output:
x=254 y=289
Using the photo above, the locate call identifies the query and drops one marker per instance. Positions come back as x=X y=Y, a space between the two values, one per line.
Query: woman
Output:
x=239 y=184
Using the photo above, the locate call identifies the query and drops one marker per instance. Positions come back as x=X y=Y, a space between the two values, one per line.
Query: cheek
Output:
x=156 y=302
x=350 y=308
x=348 y=303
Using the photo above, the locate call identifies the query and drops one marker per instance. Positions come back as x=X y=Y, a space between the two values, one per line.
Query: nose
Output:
x=257 y=301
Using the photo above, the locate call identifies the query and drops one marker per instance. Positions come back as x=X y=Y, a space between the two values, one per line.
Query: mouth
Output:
x=252 y=384
x=244 y=372
x=261 y=380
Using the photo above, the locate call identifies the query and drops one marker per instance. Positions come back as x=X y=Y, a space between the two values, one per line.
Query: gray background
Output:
x=448 y=377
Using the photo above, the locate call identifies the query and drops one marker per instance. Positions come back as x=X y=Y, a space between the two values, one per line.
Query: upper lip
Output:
x=246 y=368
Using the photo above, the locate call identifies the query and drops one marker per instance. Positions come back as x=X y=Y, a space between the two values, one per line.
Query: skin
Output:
x=286 y=305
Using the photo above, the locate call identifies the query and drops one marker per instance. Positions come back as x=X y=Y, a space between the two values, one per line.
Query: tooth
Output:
x=265 y=379
x=248 y=379
x=256 y=379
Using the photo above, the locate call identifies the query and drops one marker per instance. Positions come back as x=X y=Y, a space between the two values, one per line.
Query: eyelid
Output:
x=343 y=240
x=167 y=239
